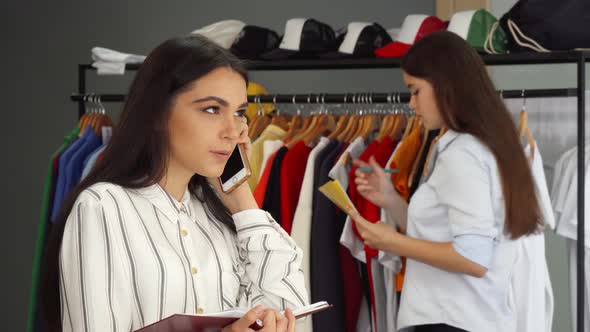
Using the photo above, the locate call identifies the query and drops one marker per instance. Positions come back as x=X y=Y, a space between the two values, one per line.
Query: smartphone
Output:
x=236 y=171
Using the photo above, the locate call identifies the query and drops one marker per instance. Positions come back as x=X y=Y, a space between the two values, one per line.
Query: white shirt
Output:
x=301 y=228
x=462 y=196
x=531 y=285
x=131 y=257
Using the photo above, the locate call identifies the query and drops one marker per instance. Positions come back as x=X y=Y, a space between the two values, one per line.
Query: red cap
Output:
x=414 y=28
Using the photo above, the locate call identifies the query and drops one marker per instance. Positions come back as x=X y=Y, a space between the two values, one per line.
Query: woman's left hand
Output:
x=378 y=236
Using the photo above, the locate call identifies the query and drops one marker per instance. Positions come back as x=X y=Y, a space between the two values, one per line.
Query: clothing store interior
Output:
x=395 y=166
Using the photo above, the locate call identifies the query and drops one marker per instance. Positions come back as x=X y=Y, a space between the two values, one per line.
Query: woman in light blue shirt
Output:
x=476 y=198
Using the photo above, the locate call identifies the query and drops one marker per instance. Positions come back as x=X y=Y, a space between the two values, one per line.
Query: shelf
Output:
x=376 y=63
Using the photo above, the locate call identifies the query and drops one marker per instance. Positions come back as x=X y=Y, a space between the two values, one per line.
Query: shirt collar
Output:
x=446 y=139
x=165 y=203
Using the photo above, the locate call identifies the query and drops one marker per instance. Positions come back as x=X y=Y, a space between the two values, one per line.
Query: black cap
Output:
x=254 y=41
x=361 y=44
x=304 y=39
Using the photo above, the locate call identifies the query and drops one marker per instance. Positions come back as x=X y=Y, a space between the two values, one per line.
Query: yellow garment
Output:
x=271 y=132
x=253 y=90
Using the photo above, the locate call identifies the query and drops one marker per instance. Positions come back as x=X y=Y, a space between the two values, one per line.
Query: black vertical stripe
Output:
x=109 y=269
x=219 y=270
x=293 y=290
x=81 y=268
x=130 y=257
x=65 y=295
x=162 y=273
x=177 y=255
x=265 y=261
x=188 y=262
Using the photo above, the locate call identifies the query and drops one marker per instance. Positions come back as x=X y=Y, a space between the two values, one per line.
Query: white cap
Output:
x=223 y=33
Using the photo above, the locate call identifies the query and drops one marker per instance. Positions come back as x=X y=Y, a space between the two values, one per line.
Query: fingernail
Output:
x=259 y=309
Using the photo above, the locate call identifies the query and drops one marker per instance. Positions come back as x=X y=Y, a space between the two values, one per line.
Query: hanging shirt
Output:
x=403 y=160
x=131 y=257
x=260 y=190
x=326 y=272
x=353 y=297
x=42 y=226
x=270 y=132
x=60 y=190
x=272 y=196
x=461 y=202
x=269 y=148
x=91 y=160
x=341 y=168
x=565 y=202
x=75 y=165
x=301 y=230
x=292 y=172
x=372 y=213
x=533 y=294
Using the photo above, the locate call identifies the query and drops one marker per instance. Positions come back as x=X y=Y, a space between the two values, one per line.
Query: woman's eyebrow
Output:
x=221 y=101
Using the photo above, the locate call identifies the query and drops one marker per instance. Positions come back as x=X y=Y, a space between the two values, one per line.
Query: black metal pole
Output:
x=354 y=98
x=81 y=89
x=581 y=174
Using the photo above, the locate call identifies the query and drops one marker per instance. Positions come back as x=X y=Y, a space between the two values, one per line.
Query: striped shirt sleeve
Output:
x=272 y=262
x=93 y=286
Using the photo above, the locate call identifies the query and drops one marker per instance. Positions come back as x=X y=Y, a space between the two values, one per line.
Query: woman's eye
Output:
x=241 y=113
x=415 y=92
x=211 y=109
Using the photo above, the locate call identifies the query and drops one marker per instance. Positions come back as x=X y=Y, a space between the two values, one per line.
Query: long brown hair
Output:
x=139 y=149
x=468 y=102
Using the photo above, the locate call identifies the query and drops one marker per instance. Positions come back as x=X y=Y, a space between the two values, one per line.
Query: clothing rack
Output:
x=344 y=98
x=578 y=58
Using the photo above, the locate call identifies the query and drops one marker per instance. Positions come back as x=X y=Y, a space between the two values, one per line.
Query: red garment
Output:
x=372 y=212
x=353 y=295
x=260 y=190
x=292 y=172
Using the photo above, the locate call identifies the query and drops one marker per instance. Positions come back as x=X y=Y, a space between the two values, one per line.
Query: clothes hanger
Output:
x=297 y=123
x=351 y=125
x=262 y=122
x=340 y=126
x=327 y=123
x=371 y=125
x=313 y=122
x=524 y=131
x=278 y=119
x=386 y=123
x=103 y=121
x=84 y=120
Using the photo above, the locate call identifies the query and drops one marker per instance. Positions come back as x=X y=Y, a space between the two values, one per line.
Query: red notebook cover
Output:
x=216 y=322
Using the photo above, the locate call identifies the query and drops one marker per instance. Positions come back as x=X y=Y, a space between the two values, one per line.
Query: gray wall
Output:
x=44 y=42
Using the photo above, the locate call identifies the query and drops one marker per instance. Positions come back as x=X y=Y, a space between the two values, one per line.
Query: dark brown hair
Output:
x=139 y=149
x=468 y=102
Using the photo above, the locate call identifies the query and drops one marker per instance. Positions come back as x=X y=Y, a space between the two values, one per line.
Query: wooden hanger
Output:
x=294 y=126
x=340 y=126
x=398 y=127
x=412 y=175
x=313 y=122
x=371 y=125
x=523 y=128
x=351 y=126
x=327 y=122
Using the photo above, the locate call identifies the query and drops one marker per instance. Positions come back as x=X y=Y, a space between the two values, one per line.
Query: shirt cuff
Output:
x=253 y=221
x=476 y=248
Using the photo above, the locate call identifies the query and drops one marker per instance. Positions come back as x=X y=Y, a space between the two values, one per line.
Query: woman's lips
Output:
x=221 y=155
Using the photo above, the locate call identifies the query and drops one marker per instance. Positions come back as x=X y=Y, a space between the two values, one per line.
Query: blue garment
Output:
x=76 y=163
x=91 y=160
x=61 y=174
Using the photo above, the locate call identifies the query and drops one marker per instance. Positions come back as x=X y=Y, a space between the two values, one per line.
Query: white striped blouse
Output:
x=131 y=257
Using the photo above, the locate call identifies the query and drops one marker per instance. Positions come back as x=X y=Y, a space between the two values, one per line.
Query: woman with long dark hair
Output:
x=477 y=198
x=149 y=233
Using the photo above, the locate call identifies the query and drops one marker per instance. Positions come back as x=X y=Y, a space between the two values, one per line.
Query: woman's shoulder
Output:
x=99 y=191
x=465 y=147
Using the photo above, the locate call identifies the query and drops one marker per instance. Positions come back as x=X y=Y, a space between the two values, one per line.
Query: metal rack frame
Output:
x=579 y=58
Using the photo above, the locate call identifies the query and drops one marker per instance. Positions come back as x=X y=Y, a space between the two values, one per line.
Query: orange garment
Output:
x=403 y=160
